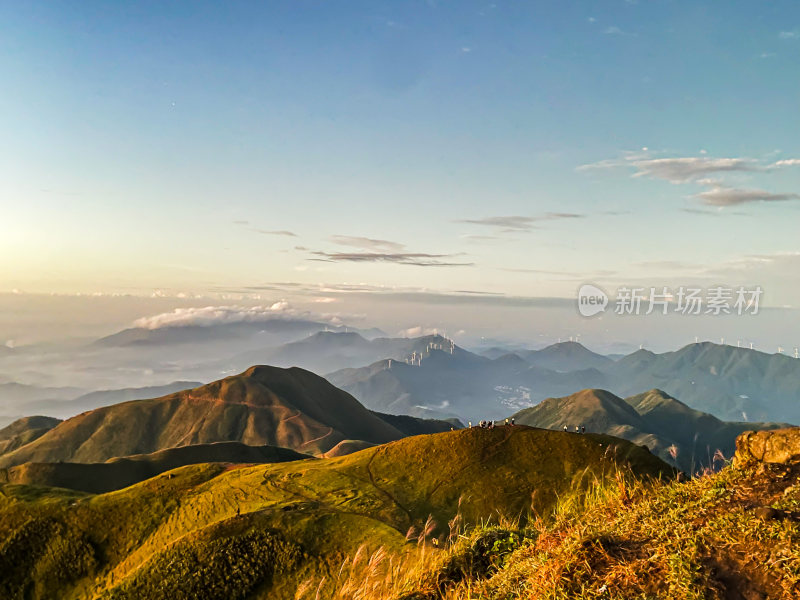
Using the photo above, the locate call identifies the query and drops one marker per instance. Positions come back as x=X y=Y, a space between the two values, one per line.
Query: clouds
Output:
x=675 y=170
x=214 y=315
x=280 y=232
x=366 y=243
x=418 y=331
x=720 y=195
x=791 y=162
x=698 y=169
x=417 y=259
x=682 y=170
x=518 y=222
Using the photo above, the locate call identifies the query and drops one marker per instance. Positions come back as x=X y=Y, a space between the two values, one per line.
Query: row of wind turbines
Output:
x=415 y=359
x=781 y=349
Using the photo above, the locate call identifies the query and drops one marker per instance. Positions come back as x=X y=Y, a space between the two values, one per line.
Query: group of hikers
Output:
x=510 y=421
x=490 y=424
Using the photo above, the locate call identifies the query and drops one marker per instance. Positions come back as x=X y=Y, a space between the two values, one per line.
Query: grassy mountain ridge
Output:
x=25 y=430
x=118 y=473
x=153 y=536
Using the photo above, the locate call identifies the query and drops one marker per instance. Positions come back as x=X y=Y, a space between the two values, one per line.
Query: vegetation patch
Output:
x=218 y=565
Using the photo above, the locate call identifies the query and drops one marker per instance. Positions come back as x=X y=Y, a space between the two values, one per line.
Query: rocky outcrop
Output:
x=777 y=446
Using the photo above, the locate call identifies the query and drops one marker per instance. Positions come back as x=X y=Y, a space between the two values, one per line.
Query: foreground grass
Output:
x=713 y=537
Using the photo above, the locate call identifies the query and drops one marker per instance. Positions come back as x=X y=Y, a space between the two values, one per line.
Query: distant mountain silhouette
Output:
x=736 y=384
x=462 y=385
x=566 y=356
x=733 y=384
x=327 y=351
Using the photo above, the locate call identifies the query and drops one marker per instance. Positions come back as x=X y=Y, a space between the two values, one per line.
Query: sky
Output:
x=394 y=161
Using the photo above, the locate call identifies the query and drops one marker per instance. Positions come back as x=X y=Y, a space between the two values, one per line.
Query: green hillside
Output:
x=261 y=531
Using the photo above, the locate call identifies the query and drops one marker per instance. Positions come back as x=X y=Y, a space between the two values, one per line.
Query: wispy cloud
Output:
x=418 y=259
x=720 y=195
x=276 y=232
x=789 y=35
x=614 y=30
x=249 y=226
x=366 y=243
x=676 y=170
x=518 y=222
x=698 y=170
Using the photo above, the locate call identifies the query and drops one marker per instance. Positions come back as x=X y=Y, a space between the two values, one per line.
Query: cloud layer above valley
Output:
x=208 y=316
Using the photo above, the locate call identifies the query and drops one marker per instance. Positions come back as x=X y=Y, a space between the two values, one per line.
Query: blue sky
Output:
x=504 y=147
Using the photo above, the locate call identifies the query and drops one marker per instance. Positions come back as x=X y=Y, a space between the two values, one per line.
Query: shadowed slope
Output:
x=118 y=473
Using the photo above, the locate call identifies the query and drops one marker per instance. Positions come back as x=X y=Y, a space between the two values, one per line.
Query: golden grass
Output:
x=619 y=539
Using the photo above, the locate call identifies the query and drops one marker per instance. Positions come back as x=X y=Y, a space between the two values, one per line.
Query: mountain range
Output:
x=680 y=435
x=733 y=384
x=291 y=408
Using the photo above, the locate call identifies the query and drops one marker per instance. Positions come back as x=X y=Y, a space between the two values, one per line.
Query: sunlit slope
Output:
x=199 y=527
x=292 y=408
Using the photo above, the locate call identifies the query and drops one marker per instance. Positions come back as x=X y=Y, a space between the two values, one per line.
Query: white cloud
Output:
x=214 y=315
x=417 y=331
x=789 y=35
x=788 y=162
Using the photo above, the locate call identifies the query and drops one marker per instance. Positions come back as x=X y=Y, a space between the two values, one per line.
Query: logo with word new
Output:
x=591 y=300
